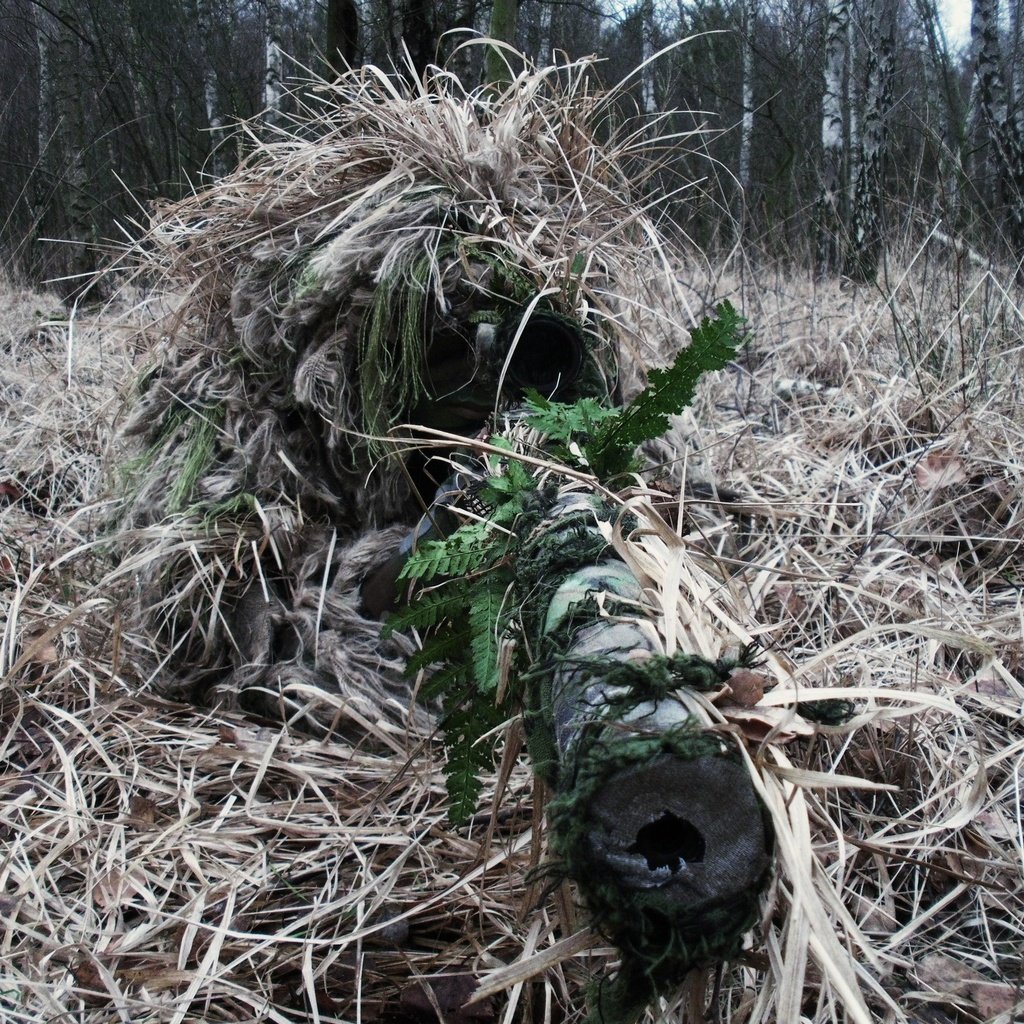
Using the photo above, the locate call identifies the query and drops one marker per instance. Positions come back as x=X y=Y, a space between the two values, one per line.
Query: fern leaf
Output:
x=439 y=649
x=428 y=608
x=713 y=344
x=466 y=549
x=577 y=421
x=464 y=724
x=486 y=624
x=454 y=677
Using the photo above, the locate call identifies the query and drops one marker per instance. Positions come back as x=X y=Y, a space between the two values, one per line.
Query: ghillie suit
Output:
x=334 y=288
x=431 y=258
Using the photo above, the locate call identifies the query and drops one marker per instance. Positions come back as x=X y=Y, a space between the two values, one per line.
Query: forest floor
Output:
x=165 y=863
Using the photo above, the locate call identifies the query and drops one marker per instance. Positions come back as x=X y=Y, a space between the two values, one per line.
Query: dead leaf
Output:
x=991 y=684
x=939 y=469
x=746 y=687
x=142 y=811
x=38 y=651
x=115 y=886
x=11 y=491
x=89 y=982
x=994 y=824
x=756 y=724
x=448 y=994
x=992 y=998
x=951 y=978
x=790 y=601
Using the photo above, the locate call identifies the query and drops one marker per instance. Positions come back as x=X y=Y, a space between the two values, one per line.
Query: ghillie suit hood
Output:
x=412 y=254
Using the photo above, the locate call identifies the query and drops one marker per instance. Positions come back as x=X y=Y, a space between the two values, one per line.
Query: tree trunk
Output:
x=70 y=110
x=272 y=91
x=648 y=96
x=342 y=34
x=211 y=99
x=544 y=22
x=1003 y=160
x=866 y=217
x=503 y=29
x=747 y=98
x=41 y=187
x=831 y=215
x=943 y=80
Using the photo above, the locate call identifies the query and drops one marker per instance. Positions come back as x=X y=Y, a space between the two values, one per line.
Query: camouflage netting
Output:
x=420 y=259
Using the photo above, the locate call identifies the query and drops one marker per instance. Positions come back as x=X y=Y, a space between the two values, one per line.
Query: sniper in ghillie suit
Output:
x=400 y=434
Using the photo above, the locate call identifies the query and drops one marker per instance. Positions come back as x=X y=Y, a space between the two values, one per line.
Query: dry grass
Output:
x=167 y=864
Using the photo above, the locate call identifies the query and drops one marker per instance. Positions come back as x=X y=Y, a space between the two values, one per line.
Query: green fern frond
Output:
x=487 y=622
x=468 y=548
x=443 y=648
x=713 y=344
x=464 y=725
x=428 y=608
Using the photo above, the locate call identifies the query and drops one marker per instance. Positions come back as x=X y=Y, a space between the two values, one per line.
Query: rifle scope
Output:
x=548 y=355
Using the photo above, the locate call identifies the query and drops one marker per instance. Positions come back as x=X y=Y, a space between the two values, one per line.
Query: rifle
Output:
x=525 y=578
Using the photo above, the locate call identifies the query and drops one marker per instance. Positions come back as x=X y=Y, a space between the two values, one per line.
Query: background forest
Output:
x=816 y=128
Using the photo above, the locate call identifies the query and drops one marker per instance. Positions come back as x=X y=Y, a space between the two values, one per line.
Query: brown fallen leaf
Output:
x=952 y=978
x=39 y=650
x=790 y=601
x=758 y=723
x=115 y=887
x=141 y=811
x=939 y=469
x=89 y=984
x=448 y=994
x=11 y=491
x=747 y=688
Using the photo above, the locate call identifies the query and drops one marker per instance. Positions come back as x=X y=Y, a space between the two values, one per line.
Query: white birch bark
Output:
x=852 y=108
x=218 y=164
x=1002 y=131
x=831 y=213
x=44 y=123
x=544 y=34
x=70 y=126
x=648 y=96
x=272 y=91
x=747 y=95
x=865 y=220
x=987 y=101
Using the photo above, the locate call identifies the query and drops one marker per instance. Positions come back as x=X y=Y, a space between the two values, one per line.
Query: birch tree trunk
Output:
x=44 y=122
x=943 y=81
x=831 y=214
x=218 y=163
x=747 y=97
x=866 y=216
x=275 y=64
x=544 y=34
x=1003 y=160
x=648 y=96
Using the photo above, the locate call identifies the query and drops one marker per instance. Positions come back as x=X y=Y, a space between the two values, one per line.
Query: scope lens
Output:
x=548 y=355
